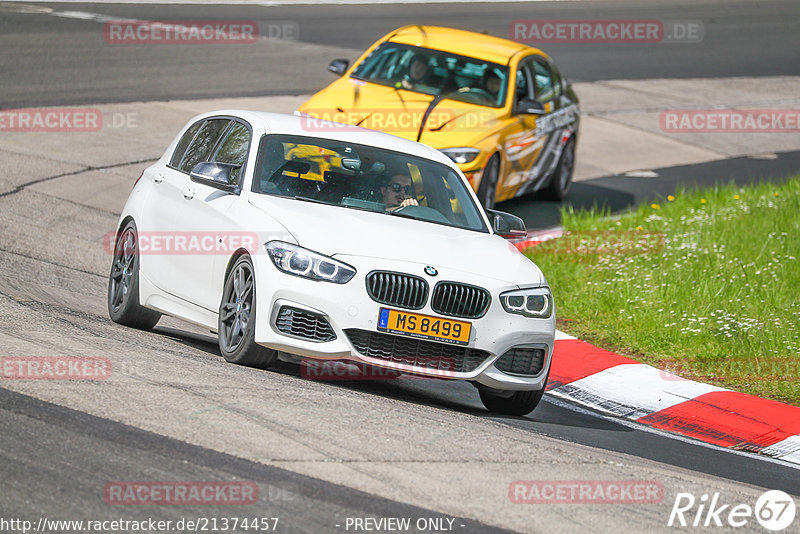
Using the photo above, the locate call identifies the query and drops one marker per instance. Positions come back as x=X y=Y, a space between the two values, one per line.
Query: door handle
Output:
x=188 y=193
x=159 y=177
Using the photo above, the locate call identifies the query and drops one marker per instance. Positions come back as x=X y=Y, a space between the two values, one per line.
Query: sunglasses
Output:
x=396 y=188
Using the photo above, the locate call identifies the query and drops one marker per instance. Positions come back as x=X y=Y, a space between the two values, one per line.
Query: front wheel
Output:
x=123 y=283
x=487 y=191
x=237 y=318
x=518 y=403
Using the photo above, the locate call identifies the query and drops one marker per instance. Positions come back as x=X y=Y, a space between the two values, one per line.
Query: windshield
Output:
x=432 y=72
x=364 y=177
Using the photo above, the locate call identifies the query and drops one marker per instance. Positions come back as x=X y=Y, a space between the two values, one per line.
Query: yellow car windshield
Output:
x=435 y=73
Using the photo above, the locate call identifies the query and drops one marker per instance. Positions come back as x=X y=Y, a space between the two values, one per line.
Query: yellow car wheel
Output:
x=488 y=188
x=561 y=182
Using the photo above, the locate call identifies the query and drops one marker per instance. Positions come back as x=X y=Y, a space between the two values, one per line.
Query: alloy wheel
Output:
x=123 y=268
x=237 y=307
x=567 y=164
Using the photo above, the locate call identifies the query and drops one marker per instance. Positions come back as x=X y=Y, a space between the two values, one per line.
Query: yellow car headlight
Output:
x=461 y=155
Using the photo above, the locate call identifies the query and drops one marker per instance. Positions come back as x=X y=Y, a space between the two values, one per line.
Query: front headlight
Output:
x=461 y=155
x=536 y=302
x=305 y=263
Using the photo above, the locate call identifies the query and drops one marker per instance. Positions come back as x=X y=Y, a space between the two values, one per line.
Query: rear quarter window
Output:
x=200 y=148
x=180 y=149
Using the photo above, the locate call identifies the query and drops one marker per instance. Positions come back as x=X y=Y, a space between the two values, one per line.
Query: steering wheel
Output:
x=423 y=213
x=401 y=209
x=479 y=92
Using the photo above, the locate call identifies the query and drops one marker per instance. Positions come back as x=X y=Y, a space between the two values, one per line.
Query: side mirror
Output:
x=222 y=176
x=507 y=225
x=351 y=164
x=529 y=106
x=338 y=66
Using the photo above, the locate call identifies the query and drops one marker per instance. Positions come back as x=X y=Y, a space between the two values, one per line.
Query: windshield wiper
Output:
x=433 y=104
x=360 y=208
x=314 y=200
x=318 y=201
x=404 y=215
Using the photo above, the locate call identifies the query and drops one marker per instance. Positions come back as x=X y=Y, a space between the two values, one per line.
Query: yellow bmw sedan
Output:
x=499 y=109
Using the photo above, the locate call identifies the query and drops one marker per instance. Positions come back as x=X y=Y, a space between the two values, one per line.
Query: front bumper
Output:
x=348 y=308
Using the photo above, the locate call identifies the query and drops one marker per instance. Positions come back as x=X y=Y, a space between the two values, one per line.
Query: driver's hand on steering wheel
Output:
x=403 y=204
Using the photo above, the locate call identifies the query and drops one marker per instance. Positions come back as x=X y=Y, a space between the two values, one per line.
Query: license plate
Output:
x=424 y=326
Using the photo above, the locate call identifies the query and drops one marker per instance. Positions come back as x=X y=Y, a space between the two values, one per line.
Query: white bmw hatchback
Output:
x=308 y=240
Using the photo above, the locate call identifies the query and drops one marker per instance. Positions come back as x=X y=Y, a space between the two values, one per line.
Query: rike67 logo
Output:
x=774 y=510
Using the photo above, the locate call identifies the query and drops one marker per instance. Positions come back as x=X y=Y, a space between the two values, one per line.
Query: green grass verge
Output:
x=705 y=284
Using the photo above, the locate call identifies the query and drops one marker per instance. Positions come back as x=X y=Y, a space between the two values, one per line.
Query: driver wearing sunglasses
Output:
x=398 y=193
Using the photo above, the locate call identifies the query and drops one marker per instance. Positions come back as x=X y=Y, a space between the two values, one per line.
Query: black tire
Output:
x=519 y=403
x=123 y=283
x=487 y=191
x=561 y=182
x=237 y=318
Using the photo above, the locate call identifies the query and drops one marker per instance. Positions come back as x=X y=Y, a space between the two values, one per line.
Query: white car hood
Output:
x=341 y=231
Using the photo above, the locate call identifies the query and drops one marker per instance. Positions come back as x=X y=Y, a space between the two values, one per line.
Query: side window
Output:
x=521 y=85
x=543 y=82
x=524 y=81
x=556 y=81
x=180 y=149
x=204 y=142
x=234 y=149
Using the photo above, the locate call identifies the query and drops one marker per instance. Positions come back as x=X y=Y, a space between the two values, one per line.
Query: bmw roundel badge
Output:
x=431 y=271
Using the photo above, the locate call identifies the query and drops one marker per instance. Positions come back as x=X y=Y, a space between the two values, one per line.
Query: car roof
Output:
x=461 y=42
x=281 y=123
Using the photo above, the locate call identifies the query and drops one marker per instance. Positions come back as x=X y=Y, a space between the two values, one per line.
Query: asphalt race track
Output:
x=62 y=60
x=320 y=452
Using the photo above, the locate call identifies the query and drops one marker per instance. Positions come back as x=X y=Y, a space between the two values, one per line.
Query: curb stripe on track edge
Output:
x=618 y=385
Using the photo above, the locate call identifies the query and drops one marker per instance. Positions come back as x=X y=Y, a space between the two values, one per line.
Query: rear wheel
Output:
x=487 y=191
x=561 y=182
x=123 y=283
x=237 y=318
